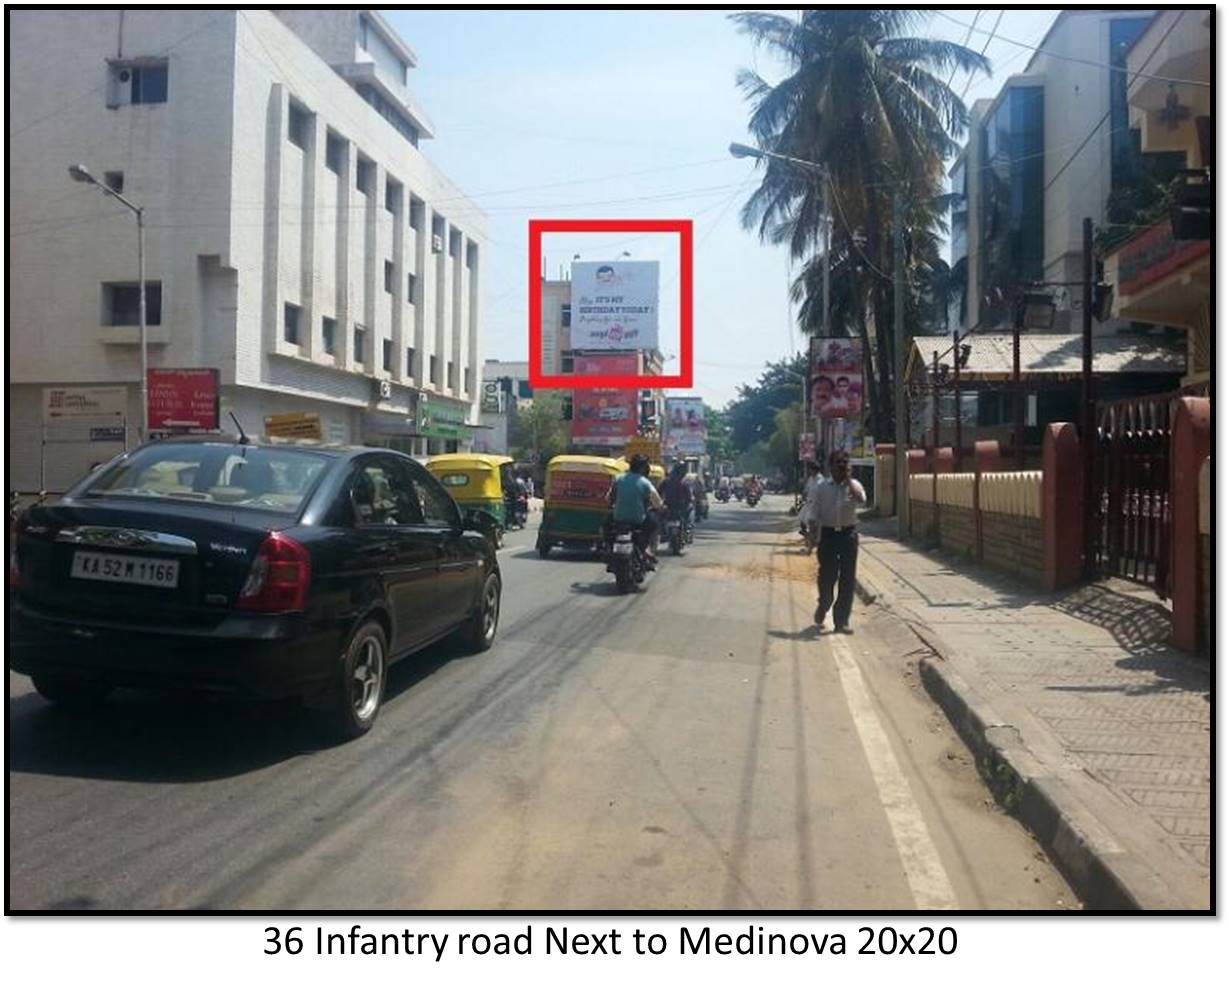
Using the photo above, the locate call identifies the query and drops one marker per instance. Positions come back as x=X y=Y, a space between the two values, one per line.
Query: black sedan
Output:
x=274 y=570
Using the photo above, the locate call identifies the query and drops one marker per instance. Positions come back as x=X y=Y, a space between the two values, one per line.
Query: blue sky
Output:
x=628 y=113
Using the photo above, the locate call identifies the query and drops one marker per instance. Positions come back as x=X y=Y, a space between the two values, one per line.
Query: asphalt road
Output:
x=693 y=746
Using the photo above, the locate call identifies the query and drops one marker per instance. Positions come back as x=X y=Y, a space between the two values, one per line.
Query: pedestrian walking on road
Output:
x=833 y=511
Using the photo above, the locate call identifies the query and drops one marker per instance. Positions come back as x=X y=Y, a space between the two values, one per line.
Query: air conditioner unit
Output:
x=437 y=244
x=382 y=388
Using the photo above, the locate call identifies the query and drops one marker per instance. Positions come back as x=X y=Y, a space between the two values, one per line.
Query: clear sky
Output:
x=628 y=113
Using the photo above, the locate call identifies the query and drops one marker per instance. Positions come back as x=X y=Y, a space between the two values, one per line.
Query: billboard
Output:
x=614 y=305
x=836 y=378
x=686 y=432
x=183 y=398
x=605 y=416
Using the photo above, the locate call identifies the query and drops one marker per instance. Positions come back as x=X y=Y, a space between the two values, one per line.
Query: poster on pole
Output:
x=836 y=378
x=806 y=447
x=686 y=431
x=604 y=416
x=614 y=305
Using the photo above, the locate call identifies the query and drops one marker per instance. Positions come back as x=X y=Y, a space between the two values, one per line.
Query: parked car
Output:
x=269 y=569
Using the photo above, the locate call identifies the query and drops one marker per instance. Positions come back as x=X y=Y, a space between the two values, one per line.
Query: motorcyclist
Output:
x=633 y=500
x=677 y=494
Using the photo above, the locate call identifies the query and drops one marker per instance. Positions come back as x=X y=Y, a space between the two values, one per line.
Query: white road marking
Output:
x=932 y=890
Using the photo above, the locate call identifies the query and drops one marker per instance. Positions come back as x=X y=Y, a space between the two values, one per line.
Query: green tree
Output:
x=783 y=444
x=752 y=416
x=868 y=101
x=720 y=449
x=539 y=428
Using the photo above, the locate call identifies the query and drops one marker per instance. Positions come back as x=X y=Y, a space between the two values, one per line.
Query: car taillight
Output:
x=279 y=577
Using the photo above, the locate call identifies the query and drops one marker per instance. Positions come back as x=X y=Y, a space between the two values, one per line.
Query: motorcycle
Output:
x=723 y=495
x=753 y=498
x=676 y=534
x=520 y=510
x=625 y=559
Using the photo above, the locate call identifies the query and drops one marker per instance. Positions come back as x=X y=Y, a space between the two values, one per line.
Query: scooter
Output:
x=676 y=534
x=753 y=498
x=722 y=495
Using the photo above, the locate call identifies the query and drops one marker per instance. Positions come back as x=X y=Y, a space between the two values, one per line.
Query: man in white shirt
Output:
x=833 y=511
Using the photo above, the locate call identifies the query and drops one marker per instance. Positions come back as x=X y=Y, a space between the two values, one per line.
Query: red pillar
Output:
x=988 y=455
x=1189 y=443
x=945 y=460
x=1062 y=513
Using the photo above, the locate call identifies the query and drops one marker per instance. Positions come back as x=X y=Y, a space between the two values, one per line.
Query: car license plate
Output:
x=151 y=571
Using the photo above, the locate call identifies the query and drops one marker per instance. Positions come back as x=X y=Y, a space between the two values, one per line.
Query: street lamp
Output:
x=80 y=173
x=746 y=151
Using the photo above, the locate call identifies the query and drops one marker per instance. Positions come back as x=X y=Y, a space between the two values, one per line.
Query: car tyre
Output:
x=68 y=692
x=358 y=691
x=478 y=633
x=543 y=549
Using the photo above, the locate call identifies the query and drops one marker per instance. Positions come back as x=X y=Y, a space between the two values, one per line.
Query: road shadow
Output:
x=181 y=737
x=809 y=634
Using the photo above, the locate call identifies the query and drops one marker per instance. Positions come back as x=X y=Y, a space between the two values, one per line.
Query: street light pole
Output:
x=898 y=306
x=80 y=173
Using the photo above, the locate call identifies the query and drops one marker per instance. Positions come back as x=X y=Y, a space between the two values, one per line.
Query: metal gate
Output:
x=1131 y=525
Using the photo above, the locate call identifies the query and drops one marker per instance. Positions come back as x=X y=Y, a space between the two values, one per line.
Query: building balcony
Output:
x=1177 y=45
x=1157 y=279
x=360 y=74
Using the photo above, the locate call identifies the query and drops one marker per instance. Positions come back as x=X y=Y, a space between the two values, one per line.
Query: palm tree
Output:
x=869 y=102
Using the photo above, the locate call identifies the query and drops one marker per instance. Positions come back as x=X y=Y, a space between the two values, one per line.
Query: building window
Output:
x=365 y=176
x=454 y=243
x=362 y=32
x=114 y=181
x=360 y=343
x=388 y=276
x=565 y=314
x=375 y=99
x=411 y=284
x=392 y=196
x=144 y=82
x=452 y=376
x=435 y=369
x=334 y=152
x=298 y=123
x=470 y=384
x=417 y=209
x=290 y=323
x=328 y=331
x=121 y=305
x=567 y=363
x=388 y=355
x=409 y=362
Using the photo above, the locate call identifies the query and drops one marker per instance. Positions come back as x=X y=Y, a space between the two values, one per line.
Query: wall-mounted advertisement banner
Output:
x=686 y=432
x=614 y=305
x=294 y=426
x=836 y=377
x=604 y=416
x=62 y=405
x=183 y=398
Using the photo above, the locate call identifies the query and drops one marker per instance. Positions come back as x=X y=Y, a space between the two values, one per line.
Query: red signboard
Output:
x=183 y=398
x=606 y=416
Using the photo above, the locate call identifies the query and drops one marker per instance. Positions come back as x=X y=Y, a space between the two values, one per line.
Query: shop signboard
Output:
x=294 y=426
x=686 y=431
x=182 y=399
x=836 y=378
x=441 y=420
x=614 y=306
x=63 y=405
x=604 y=416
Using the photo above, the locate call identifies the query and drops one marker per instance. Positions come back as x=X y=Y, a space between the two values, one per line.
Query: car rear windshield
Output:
x=272 y=480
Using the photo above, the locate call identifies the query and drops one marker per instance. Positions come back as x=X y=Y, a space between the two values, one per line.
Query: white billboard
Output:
x=614 y=305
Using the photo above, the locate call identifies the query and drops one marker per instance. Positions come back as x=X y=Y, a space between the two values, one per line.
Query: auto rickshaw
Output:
x=576 y=507
x=478 y=481
x=657 y=474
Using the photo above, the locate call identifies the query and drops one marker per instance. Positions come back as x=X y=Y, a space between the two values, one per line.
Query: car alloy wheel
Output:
x=367 y=679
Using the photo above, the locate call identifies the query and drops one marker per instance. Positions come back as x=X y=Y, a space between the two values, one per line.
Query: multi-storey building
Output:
x=1041 y=156
x=1162 y=271
x=297 y=237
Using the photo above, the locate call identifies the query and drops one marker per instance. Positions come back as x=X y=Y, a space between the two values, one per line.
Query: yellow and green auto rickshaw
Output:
x=478 y=481
x=576 y=507
x=657 y=474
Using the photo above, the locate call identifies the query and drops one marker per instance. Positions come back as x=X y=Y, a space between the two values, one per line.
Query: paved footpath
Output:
x=1104 y=729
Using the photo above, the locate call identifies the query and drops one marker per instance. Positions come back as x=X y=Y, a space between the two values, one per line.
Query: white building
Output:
x=1041 y=156
x=297 y=238
x=505 y=388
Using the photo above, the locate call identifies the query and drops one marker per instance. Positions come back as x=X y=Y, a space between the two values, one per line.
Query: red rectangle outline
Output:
x=681 y=227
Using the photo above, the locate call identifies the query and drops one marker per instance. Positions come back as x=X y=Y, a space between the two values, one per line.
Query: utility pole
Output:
x=898 y=308
x=1088 y=428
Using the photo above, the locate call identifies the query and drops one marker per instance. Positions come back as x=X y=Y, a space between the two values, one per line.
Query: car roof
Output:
x=308 y=446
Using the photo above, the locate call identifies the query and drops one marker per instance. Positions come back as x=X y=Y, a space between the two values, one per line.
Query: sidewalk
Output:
x=1086 y=723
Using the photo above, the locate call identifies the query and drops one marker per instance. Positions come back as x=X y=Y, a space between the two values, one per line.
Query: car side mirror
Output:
x=480 y=520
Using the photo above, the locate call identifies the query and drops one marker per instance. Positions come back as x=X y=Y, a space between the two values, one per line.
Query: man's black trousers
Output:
x=838 y=566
